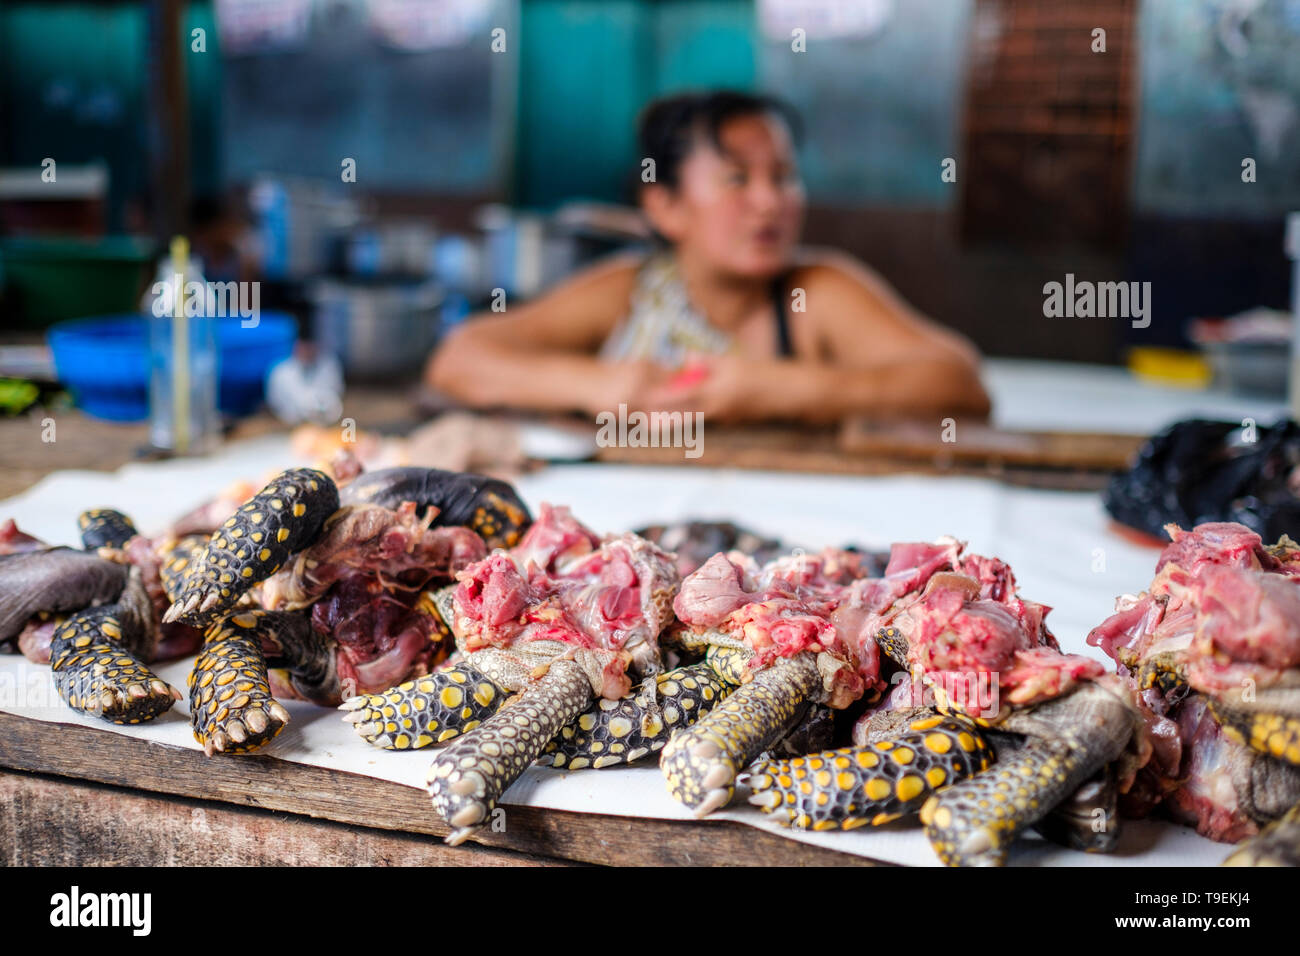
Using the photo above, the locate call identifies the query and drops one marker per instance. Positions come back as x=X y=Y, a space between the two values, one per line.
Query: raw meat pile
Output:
x=608 y=599
x=1218 y=627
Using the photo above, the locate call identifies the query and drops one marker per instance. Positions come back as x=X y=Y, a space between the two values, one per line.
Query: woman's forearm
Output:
x=486 y=375
x=827 y=393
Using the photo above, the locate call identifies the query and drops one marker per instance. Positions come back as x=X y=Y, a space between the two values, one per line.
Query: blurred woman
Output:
x=727 y=316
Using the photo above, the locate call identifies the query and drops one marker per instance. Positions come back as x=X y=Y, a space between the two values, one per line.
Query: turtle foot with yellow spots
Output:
x=1048 y=754
x=890 y=777
x=98 y=658
x=701 y=763
x=97 y=675
x=231 y=707
x=427 y=710
x=283 y=518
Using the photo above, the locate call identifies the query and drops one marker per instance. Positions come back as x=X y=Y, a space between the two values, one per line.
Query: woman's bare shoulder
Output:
x=839 y=281
x=818 y=265
x=612 y=277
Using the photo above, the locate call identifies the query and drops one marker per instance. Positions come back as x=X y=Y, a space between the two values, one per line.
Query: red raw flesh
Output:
x=382 y=638
x=14 y=541
x=1229 y=611
x=561 y=583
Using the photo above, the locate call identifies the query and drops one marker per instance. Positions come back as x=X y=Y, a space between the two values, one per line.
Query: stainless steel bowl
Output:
x=378 y=329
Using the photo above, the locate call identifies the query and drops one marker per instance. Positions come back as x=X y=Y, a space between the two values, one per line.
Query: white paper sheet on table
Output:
x=1057 y=542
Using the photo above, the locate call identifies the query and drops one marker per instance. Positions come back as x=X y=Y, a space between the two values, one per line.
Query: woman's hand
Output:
x=629 y=383
x=725 y=388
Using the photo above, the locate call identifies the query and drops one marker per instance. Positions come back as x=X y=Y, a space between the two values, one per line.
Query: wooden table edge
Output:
x=273 y=784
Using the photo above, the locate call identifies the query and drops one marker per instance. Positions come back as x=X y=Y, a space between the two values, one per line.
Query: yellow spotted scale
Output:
x=97 y=672
x=428 y=710
x=469 y=776
x=104 y=528
x=620 y=731
x=856 y=786
x=700 y=763
x=177 y=557
x=231 y=707
x=281 y=519
x=1272 y=733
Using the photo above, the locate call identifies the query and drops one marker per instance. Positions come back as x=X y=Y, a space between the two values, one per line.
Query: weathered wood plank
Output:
x=268 y=783
x=52 y=821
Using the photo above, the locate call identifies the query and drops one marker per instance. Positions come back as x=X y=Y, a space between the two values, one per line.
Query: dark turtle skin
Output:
x=96 y=659
x=1278 y=844
x=280 y=520
x=54 y=581
x=489 y=506
x=104 y=528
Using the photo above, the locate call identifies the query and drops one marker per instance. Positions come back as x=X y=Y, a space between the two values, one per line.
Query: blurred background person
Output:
x=726 y=315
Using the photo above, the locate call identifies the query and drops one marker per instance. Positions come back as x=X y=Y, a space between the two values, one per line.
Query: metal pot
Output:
x=380 y=329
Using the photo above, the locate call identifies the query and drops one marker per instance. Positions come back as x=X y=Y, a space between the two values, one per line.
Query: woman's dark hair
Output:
x=671 y=127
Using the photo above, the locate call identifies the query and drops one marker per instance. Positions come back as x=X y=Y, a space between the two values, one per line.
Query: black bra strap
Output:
x=784 y=347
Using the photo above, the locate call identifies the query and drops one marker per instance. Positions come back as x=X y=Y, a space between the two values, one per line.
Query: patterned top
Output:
x=662 y=325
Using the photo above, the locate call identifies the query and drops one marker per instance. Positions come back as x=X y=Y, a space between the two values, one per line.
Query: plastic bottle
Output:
x=178 y=308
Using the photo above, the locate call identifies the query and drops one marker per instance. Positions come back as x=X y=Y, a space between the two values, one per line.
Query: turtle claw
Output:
x=427 y=710
x=700 y=763
x=231 y=707
x=468 y=777
x=713 y=800
x=96 y=674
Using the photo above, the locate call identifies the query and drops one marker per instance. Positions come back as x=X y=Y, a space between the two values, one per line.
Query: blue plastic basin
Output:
x=105 y=362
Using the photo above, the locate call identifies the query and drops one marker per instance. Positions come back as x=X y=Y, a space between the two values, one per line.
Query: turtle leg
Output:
x=1088 y=819
x=281 y=519
x=231 y=707
x=621 y=731
x=104 y=528
x=700 y=763
x=855 y=786
x=1069 y=739
x=1278 y=844
x=96 y=673
x=1262 y=726
x=427 y=710
x=310 y=658
x=177 y=558
x=472 y=772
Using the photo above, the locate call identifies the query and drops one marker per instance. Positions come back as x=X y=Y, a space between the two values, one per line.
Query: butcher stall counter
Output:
x=78 y=791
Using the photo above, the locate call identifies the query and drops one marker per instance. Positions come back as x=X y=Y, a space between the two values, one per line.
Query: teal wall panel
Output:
x=586 y=69
x=74 y=86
